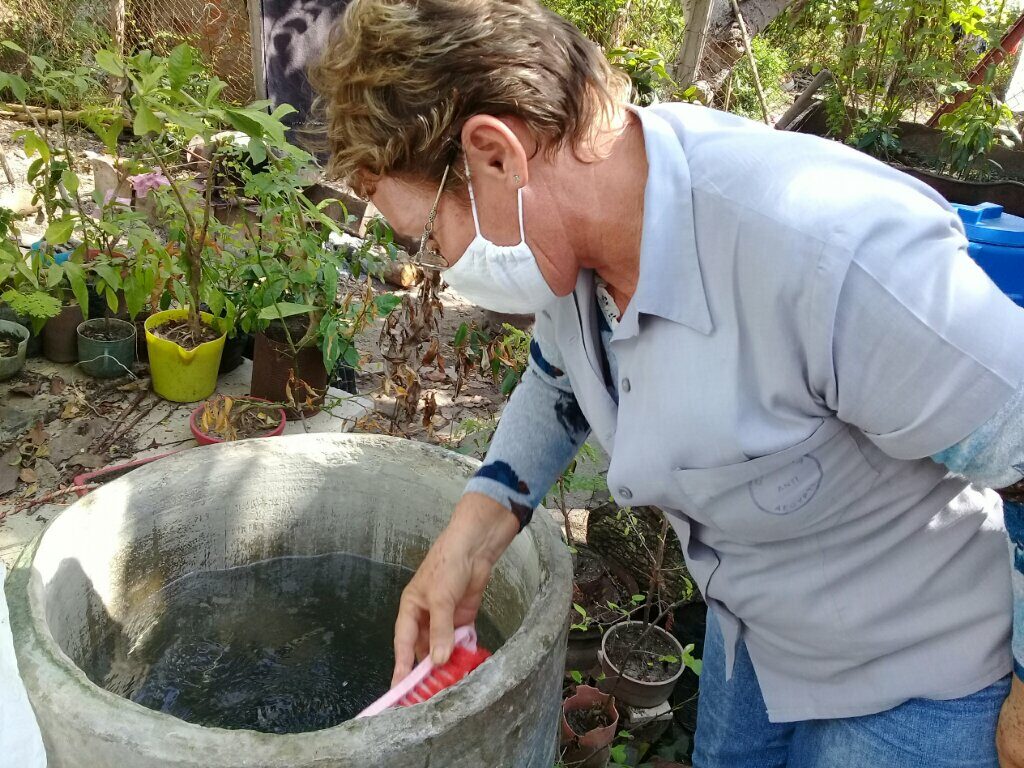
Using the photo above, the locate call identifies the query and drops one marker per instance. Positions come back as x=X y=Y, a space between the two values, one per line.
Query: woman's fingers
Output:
x=442 y=629
x=407 y=633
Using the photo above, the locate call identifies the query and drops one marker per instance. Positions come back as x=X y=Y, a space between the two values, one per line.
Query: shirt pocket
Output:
x=794 y=492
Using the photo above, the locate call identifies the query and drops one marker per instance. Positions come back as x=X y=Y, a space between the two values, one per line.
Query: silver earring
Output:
x=517 y=180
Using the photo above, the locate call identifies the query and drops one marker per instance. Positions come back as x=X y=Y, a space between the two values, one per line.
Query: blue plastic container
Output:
x=997 y=245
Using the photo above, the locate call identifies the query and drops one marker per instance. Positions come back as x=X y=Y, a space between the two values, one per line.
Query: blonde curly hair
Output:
x=400 y=77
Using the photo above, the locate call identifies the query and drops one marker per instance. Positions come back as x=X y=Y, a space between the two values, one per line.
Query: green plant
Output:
x=647 y=73
x=888 y=58
x=585 y=621
x=97 y=255
x=876 y=135
x=974 y=128
x=22 y=287
x=66 y=32
x=285 y=266
x=505 y=357
x=773 y=65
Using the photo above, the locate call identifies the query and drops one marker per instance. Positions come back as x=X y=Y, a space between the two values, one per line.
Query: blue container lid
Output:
x=986 y=223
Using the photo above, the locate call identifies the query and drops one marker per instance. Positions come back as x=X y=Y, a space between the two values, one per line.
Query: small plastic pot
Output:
x=204 y=439
x=35 y=340
x=638 y=693
x=11 y=365
x=182 y=375
x=343 y=377
x=106 y=359
x=234 y=347
x=593 y=748
x=60 y=337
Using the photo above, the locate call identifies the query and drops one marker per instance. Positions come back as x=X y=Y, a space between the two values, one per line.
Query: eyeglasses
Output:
x=427 y=255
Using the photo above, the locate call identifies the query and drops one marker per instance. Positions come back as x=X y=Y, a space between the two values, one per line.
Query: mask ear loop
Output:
x=472 y=197
x=522 y=229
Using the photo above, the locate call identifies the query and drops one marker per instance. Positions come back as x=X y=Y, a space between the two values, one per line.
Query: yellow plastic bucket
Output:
x=182 y=375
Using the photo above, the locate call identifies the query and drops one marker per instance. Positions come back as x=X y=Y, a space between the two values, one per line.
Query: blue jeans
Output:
x=733 y=729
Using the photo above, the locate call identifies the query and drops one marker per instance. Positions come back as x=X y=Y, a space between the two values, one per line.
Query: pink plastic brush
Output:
x=427 y=680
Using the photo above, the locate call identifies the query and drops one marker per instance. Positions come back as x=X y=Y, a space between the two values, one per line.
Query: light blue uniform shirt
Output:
x=806 y=330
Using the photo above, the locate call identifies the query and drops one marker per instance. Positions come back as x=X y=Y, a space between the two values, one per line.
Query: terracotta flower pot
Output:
x=273 y=360
x=60 y=335
x=204 y=438
x=592 y=748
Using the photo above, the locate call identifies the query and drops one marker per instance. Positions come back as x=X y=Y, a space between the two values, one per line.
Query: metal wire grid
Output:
x=69 y=29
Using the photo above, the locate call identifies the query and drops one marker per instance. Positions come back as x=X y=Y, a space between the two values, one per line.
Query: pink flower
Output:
x=143 y=182
x=108 y=197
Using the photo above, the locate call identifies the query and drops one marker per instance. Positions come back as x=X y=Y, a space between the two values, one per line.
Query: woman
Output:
x=779 y=341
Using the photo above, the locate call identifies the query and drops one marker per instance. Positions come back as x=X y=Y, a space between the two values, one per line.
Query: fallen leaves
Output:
x=88 y=461
x=37 y=435
x=10 y=462
x=46 y=473
x=76 y=438
x=28 y=475
x=27 y=388
x=139 y=385
x=57 y=385
x=71 y=410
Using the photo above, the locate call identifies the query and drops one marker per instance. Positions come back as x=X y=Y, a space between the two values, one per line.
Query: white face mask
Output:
x=502 y=278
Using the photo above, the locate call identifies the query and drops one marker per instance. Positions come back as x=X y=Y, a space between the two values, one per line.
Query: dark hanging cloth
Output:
x=294 y=35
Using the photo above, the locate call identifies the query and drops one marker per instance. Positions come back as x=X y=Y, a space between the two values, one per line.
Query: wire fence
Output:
x=68 y=31
x=218 y=28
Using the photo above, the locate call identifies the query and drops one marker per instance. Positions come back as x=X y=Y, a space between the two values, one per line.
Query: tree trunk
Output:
x=724 y=44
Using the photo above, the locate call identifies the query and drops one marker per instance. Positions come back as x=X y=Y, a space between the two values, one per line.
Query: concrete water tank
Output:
x=232 y=504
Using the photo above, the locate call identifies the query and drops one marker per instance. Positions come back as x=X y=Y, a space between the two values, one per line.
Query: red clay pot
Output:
x=590 y=749
x=204 y=439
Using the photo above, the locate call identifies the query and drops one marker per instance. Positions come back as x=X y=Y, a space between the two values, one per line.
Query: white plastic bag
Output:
x=21 y=744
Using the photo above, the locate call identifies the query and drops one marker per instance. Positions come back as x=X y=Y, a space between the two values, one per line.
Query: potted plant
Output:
x=589 y=720
x=24 y=298
x=222 y=419
x=13 y=344
x=184 y=344
x=287 y=294
x=51 y=174
x=641 y=662
x=106 y=347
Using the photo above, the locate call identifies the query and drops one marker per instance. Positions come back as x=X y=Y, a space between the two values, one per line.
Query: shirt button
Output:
x=625 y=493
x=625 y=386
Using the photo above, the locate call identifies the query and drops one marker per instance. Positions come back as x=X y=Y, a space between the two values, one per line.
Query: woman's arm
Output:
x=540 y=431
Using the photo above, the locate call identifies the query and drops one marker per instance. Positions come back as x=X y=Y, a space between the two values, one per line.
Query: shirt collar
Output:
x=670 y=284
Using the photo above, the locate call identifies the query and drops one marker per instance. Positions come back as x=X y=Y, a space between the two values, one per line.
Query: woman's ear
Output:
x=494 y=151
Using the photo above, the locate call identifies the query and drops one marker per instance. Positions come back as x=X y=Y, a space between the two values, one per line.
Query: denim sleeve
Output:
x=993 y=456
x=540 y=431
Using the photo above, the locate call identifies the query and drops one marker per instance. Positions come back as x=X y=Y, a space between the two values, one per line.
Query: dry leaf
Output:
x=71 y=410
x=37 y=434
x=431 y=354
x=9 y=463
x=28 y=475
x=48 y=475
x=88 y=460
x=27 y=388
x=429 y=408
x=57 y=385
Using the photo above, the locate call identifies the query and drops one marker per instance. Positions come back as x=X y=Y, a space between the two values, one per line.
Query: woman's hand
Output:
x=447 y=589
x=1010 y=731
